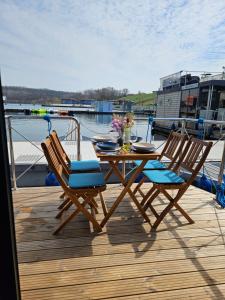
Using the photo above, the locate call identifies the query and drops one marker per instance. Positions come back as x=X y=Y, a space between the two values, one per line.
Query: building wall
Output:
x=104 y=106
x=168 y=106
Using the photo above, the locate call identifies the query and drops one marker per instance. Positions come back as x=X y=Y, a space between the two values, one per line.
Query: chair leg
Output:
x=137 y=188
x=178 y=207
x=103 y=204
x=149 y=193
x=85 y=212
x=162 y=215
x=153 y=196
x=66 y=221
x=65 y=207
x=173 y=202
x=62 y=195
x=80 y=207
x=63 y=203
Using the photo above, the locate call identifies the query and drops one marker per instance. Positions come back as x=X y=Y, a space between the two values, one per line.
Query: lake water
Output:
x=91 y=124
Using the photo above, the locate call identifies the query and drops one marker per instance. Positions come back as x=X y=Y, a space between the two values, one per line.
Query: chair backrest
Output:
x=173 y=147
x=58 y=145
x=193 y=157
x=60 y=152
x=53 y=162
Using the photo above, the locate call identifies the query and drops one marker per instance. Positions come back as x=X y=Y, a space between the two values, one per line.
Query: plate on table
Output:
x=101 y=138
x=137 y=150
x=108 y=150
x=107 y=145
x=143 y=146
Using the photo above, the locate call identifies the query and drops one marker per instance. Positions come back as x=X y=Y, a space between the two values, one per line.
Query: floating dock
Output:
x=26 y=154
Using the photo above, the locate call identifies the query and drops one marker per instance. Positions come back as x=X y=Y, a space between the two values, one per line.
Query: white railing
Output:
x=75 y=128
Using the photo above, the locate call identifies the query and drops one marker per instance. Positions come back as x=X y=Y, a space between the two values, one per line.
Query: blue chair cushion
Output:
x=163 y=177
x=84 y=165
x=151 y=165
x=86 y=180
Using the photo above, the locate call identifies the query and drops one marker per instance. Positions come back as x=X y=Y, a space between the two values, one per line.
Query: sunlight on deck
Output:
x=126 y=260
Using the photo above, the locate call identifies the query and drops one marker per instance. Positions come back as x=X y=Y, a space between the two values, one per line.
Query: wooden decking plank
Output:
x=86 y=262
x=33 y=234
x=199 y=293
x=48 y=280
x=128 y=287
x=115 y=239
x=107 y=249
x=125 y=261
x=40 y=232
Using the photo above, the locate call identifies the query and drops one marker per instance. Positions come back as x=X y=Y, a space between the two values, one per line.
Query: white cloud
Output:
x=77 y=45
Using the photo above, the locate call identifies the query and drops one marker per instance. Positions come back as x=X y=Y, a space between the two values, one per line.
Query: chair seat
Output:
x=163 y=177
x=84 y=165
x=151 y=165
x=86 y=180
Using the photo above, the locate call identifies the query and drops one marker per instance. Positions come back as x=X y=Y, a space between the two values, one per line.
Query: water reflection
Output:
x=103 y=119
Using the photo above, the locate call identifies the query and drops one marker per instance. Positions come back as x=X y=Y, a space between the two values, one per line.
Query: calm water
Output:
x=37 y=130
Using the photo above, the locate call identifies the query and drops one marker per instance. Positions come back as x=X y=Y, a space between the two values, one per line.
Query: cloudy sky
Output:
x=75 y=45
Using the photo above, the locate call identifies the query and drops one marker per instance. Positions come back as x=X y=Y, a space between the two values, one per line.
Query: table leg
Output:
x=109 y=173
x=126 y=190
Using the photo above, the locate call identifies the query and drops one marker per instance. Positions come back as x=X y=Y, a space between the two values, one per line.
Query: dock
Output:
x=126 y=261
x=26 y=153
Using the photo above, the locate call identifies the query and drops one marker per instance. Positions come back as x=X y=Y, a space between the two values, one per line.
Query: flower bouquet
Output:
x=123 y=126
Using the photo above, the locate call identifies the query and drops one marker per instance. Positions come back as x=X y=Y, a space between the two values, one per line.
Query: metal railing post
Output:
x=12 y=159
x=183 y=125
x=78 y=139
x=222 y=165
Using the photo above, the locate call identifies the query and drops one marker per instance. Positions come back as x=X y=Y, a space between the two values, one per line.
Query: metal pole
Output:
x=222 y=165
x=13 y=167
x=78 y=139
x=183 y=125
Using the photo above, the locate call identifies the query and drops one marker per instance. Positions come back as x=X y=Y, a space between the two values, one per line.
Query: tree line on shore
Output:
x=45 y=96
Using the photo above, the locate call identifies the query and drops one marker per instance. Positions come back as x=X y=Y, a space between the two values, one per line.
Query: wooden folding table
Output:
x=113 y=159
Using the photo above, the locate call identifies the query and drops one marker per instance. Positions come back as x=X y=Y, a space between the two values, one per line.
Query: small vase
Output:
x=120 y=140
x=127 y=135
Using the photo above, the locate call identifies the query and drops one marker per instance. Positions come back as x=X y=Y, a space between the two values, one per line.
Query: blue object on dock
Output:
x=48 y=119
x=205 y=183
x=220 y=193
x=50 y=180
x=220 y=197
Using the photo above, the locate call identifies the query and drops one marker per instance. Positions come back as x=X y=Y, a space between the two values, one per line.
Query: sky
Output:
x=74 y=45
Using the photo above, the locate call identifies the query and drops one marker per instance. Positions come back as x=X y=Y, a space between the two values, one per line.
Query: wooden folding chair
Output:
x=172 y=150
x=83 y=185
x=73 y=166
x=191 y=160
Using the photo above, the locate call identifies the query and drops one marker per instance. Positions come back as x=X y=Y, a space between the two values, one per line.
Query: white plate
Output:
x=101 y=138
x=143 y=146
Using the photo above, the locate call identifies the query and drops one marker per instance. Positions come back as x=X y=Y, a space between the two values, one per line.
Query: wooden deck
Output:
x=126 y=261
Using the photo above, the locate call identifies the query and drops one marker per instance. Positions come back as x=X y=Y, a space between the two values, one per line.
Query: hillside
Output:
x=45 y=96
x=142 y=98
x=30 y=95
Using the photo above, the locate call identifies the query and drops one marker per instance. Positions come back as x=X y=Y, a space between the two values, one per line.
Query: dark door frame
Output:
x=9 y=283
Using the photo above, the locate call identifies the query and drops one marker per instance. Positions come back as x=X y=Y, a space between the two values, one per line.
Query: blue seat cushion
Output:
x=84 y=165
x=86 y=180
x=163 y=177
x=151 y=165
